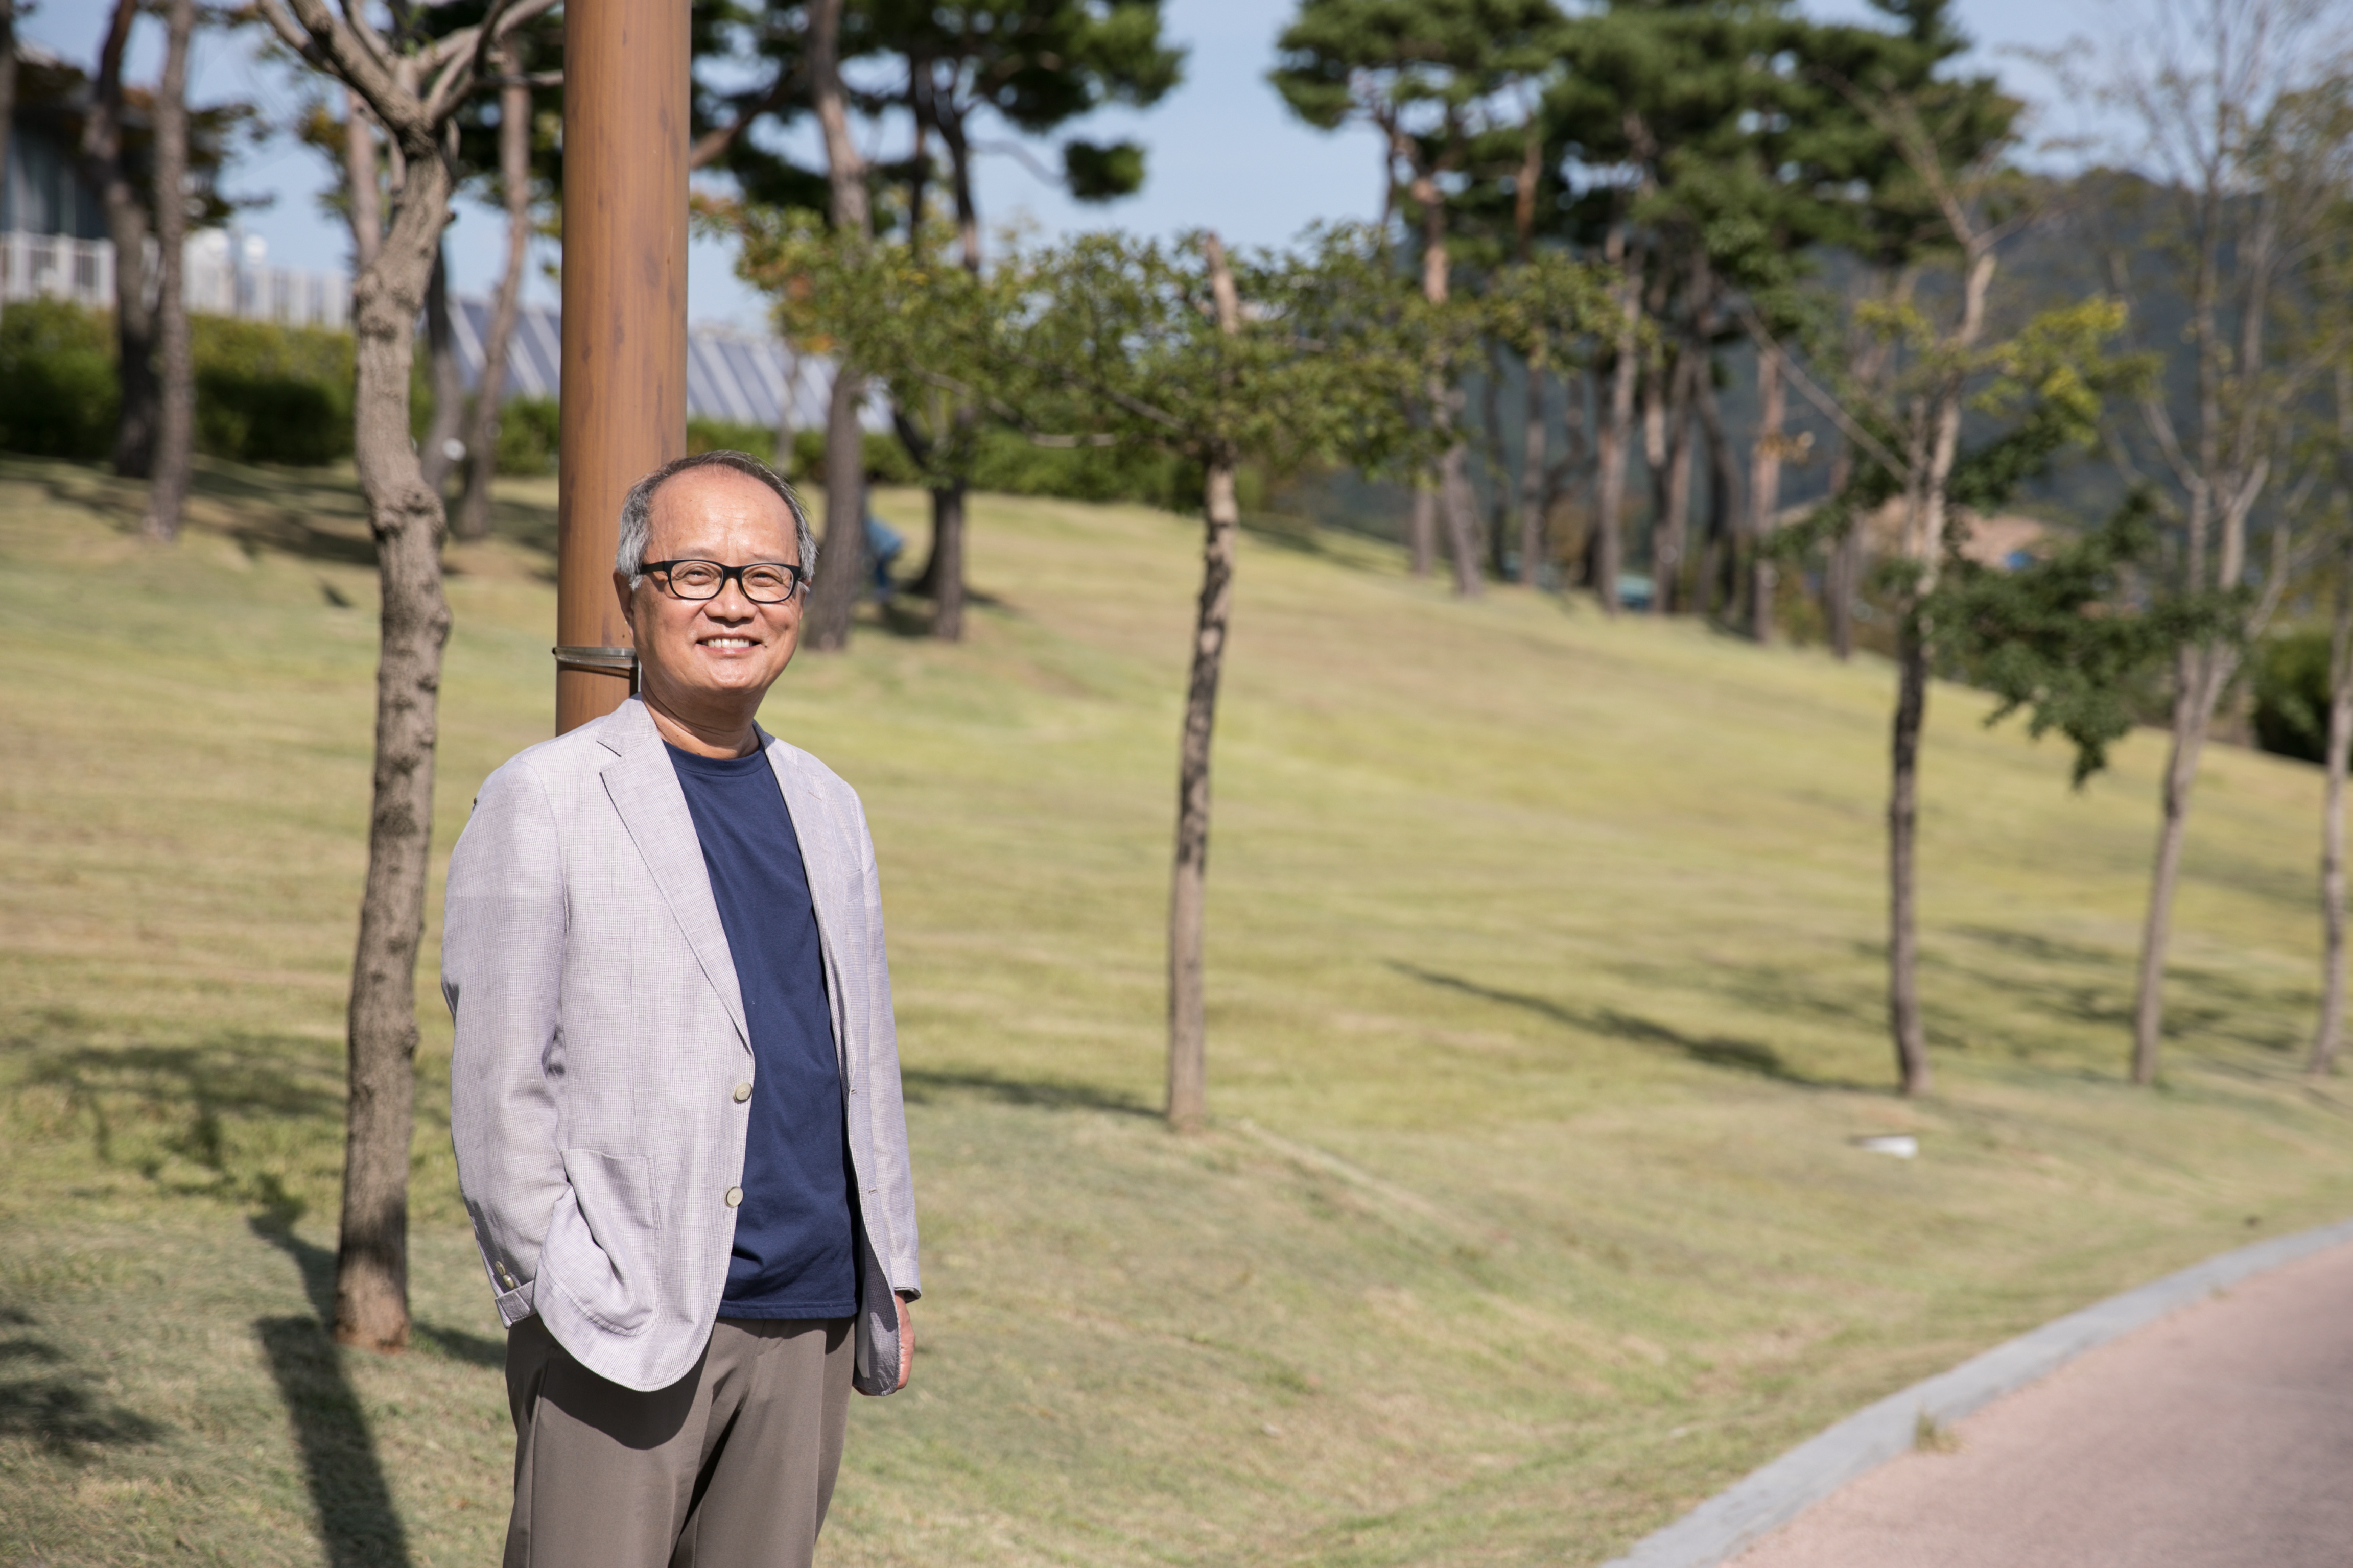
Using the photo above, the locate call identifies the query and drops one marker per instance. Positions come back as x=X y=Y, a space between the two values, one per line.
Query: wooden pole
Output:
x=624 y=372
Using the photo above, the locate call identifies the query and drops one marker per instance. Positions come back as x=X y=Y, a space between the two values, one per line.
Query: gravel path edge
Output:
x=1728 y=1523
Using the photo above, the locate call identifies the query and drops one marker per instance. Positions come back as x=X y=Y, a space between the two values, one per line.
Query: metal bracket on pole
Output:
x=620 y=661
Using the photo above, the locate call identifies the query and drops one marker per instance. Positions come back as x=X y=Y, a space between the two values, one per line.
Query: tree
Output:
x=1549 y=309
x=2236 y=109
x=2337 y=751
x=841 y=562
x=1436 y=78
x=412 y=87
x=1713 y=151
x=2073 y=638
x=7 y=75
x=1216 y=358
x=462 y=429
x=2032 y=393
x=108 y=165
x=515 y=183
x=2329 y=1034
x=175 y=428
x=1036 y=65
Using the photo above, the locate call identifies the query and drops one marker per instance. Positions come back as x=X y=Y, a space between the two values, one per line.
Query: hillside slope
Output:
x=1545 y=1006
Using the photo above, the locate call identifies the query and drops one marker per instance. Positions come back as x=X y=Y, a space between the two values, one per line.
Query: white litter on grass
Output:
x=1903 y=1145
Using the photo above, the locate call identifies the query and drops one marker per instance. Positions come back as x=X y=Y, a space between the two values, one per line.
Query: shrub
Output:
x=1011 y=463
x=727 y=436
x=265 y=394
x=2291 y=691
x=58 y=394
x=528 y=433
x=271 y=394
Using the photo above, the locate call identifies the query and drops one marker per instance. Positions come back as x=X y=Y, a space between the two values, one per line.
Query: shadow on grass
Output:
x=358 y=1524
x=921 y=1087
x=2093 y=985
x=148 y=1103
x=287 y=534
x=1716 y=1050
x=458 y=1344
x=45 y=1396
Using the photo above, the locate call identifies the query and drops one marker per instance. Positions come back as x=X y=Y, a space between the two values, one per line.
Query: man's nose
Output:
x=730 y=603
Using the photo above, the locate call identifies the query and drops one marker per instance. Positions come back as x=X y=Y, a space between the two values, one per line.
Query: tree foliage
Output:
x=2072 y=638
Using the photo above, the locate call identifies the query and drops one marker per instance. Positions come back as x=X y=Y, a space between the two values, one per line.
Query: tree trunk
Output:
x=126 y=227
x=1719 y=571
x=1765 y=494
x=448 y=377
x=175 y=431
x=1844 y=580
x=514 y=180
x=948 y=511
x=1491 y=408
x=1532 y=475
x=7 y=78
x=360 y=182
x=1614 y=443
x=1422 y=526
x=1455 y=505
x=1189 y=879
x=2332 y=832
x=1187 y=1050
x=841 y=557
x=1461 y=509
x=947 y=561
x=841 y=560
x=405 y=515
x=1842 y=574
x=1904 y=1014
x=2202 y=673
x=785 y=387
x=1671 y=533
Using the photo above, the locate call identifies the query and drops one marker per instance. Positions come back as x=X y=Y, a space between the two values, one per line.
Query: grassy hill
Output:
x=1545 y=1006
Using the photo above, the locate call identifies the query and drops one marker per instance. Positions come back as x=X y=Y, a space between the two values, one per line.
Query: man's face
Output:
x=713 y=657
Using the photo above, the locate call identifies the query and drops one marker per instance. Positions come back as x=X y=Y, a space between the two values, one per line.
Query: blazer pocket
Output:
x=604 y=1241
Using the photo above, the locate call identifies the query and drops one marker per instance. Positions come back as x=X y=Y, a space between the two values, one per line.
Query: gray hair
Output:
x=637 y=510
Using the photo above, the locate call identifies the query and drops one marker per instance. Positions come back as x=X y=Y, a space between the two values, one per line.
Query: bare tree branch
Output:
x=1852 y=428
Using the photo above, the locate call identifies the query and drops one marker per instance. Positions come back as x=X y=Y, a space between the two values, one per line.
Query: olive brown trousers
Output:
x=730 y=1467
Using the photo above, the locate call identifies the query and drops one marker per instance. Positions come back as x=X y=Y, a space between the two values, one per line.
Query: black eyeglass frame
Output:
x=669 y=573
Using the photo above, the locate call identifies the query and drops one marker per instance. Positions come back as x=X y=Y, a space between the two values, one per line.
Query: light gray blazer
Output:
x=596 y=1096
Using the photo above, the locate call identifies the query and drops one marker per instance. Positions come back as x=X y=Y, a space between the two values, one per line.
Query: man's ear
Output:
x=629 y=602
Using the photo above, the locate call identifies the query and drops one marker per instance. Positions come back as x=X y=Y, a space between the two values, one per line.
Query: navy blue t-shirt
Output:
x=794 y=1254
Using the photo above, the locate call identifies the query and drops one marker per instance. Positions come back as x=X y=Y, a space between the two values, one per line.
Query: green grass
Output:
x=1544 y=1002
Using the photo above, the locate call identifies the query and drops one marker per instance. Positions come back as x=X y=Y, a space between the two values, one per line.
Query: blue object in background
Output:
x=884 y=544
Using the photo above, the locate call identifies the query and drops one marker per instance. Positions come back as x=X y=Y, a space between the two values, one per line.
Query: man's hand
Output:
x=906 y=1345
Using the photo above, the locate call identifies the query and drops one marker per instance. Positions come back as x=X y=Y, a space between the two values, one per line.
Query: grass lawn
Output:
x=1545 y=1002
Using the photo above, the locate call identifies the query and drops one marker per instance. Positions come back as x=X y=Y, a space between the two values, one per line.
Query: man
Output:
x=675 y=1092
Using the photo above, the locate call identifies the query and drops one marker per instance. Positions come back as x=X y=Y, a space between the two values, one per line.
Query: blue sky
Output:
x=1222 y=150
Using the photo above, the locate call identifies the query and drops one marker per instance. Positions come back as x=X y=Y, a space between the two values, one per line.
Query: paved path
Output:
x=2221 y=1437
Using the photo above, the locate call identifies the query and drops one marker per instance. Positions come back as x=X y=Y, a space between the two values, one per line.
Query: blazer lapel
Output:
x=833 y=879
x=832 y=875
x=645 y=790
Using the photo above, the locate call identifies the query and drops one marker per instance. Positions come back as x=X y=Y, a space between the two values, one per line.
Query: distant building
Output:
x=53 y=243
x=730 y=374
x=53 y=238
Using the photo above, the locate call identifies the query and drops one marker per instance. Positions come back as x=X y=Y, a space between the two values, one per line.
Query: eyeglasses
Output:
x=763 y=582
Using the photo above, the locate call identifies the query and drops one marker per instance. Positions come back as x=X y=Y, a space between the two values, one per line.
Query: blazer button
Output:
x=742 y=1092
x=734 y=1196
